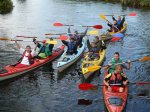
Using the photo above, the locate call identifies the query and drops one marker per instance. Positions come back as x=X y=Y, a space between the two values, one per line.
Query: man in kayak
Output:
x=116 y=80
x=120 y=21
x=72 y=46
x=100 y=43
x=27 y=56
x=45 y=49
x=116 y=60
x=95 y=47
x=78 y=37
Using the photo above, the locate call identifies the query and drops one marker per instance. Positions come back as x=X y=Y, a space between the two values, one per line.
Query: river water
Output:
x=45 y=90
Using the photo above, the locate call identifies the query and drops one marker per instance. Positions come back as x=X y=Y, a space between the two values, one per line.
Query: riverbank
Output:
x=132 y=3
x=6 y=6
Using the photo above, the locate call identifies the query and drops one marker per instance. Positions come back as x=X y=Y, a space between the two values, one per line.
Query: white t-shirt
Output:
x=25 y=60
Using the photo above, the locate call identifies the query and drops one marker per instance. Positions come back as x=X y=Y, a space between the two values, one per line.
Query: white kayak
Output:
x=67 y=60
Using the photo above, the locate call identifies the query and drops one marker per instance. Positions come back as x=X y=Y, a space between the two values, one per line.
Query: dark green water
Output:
x=45 y=90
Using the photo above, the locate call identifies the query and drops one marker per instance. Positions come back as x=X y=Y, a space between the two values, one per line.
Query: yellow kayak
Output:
x=122 y=30
x=86 y=63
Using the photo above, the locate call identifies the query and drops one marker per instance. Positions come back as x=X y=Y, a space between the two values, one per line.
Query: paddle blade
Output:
x=103 y=17
x=58 y=24
x=93 y=32
x=85 y=86
x=132 y=14
x=51 y=42
x=3 y=38
x=93 y=68
x=98 y=26
x=26 y=37
x=63 y=37
x=145 y=58
x=118 y=35
x=115 y=39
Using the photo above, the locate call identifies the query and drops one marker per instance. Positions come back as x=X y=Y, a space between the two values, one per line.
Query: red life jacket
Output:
x=116 y=77
x=29 y=57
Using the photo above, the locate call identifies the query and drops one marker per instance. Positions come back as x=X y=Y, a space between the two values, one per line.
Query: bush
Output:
x=6 y=6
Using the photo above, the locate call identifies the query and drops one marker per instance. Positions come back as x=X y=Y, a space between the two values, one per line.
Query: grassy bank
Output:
x=132 y=3
x=6 y=6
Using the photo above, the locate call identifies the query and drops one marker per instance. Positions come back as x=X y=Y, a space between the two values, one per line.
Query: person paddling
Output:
x=116 y=60
x=78 y=37
x=72 y=46
x=27 y=56
x=45 y=49
x=116 y=80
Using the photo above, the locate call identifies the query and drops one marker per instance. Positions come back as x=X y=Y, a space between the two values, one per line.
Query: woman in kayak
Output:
x=116 y=60
x=116 y=80
x=72 y=46
x=45 y=49
x=78 y=37
x=113 y=27
x=27 y=56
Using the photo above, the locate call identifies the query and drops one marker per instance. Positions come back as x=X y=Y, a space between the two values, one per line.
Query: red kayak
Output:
x=115 y=101
x=10 y=71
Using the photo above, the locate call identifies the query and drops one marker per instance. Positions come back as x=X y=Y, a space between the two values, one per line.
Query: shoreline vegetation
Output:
x=133 y=3
x=6 y=6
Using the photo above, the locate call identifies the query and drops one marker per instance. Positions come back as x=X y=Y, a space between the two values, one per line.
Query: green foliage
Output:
x=6 y=6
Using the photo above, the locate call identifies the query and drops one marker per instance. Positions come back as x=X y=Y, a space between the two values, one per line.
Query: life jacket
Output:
x=115 y=78
x=47 y=50
x=71 y=46
x=30 y=58
x=113 y=62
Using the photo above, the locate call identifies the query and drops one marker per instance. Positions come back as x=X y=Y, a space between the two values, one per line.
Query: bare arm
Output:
x=18 y=46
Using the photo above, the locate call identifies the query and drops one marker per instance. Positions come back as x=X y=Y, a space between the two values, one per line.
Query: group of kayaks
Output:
x=64 y=62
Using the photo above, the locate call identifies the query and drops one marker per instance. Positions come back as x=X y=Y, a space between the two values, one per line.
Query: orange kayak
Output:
x=115 y=101
x=9 y=72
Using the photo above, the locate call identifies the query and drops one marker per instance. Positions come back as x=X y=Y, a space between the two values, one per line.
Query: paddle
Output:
x=88 y=86
x=115 y=39
x=8 y=39
x=94 y=68
x=61 y=37
x=4 y=38
x=130 y=14
x=26 y=37
x=118 y=35
x=93 y=32
x=95 y=26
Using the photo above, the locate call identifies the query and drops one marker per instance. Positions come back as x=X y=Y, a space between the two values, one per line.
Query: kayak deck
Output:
x=115 y=101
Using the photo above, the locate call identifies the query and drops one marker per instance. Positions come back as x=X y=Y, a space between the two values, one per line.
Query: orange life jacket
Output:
x=116 y=77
